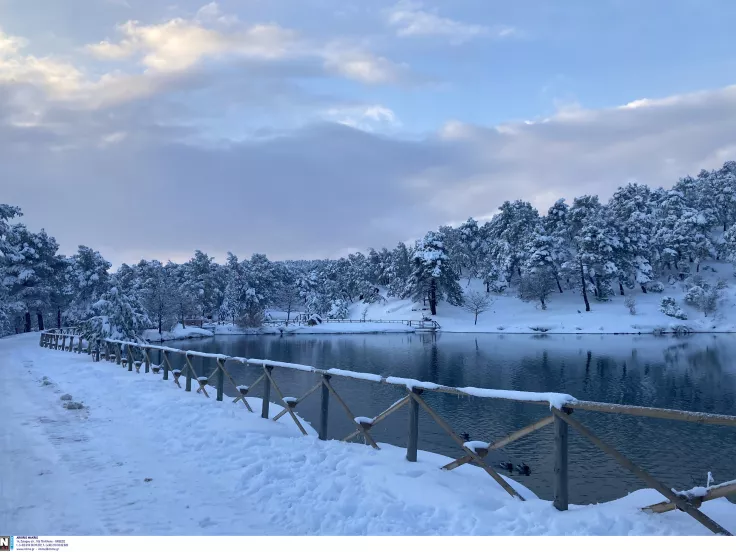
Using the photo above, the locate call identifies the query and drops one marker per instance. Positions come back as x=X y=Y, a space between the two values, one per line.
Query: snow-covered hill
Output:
x=566 y=313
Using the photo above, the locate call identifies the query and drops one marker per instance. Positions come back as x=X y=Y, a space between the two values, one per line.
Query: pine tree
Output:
x=631 y=219
x=201 y=284
x=31 y=268
x=433 y=277
x=158 y=293
x=117 y=316
x=87 y=280
x=468 y=250
x=399 y=270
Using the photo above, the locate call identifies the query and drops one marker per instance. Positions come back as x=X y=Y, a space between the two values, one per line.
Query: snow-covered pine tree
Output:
x=87 y=280
x=631 y=219
x=158 y=293
x=287 y=296
x=201 y=284
x=399 y=270
x=31 y=268
x=468 y=248
x=540 y=258
x=117 y=316
x=433 y=277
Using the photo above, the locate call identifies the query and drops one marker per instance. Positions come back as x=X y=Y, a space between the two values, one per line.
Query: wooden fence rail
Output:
x=137 y=354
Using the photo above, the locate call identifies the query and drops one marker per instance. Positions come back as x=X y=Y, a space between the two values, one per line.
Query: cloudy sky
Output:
x=312 y=128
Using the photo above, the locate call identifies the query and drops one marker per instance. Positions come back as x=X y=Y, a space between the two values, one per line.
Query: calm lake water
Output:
x=694 y=373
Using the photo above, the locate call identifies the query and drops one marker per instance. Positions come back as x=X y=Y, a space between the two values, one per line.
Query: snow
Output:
x=565 y=313
x=354 y=375
x=476 y=445
x=411 y=384
x=324 y=328
x=277 y=364
x=99 y=470
x=558 y=400
x=363 y=420
x=178 y=332
x=290 y=399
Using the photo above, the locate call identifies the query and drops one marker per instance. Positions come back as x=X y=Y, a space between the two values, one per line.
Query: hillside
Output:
x=565 y=312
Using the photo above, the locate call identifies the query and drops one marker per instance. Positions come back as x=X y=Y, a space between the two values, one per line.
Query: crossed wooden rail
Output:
x=137 y=354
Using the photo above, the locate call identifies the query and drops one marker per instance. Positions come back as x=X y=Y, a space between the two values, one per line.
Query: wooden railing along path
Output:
x=137 y=354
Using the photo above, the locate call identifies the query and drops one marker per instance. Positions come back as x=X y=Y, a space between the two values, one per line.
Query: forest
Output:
x=637 y=239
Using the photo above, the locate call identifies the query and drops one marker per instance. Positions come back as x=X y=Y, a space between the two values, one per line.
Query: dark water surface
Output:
x=694 y=373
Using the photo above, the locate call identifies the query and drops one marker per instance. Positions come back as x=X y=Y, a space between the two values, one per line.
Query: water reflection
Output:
x=693 y=373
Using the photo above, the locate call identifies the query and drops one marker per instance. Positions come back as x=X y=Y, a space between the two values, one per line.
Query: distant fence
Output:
x=418 y=324
x=135 y=355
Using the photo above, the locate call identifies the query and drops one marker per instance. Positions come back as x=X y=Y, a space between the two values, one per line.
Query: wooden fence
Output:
x=136 y=355
x=419 y=324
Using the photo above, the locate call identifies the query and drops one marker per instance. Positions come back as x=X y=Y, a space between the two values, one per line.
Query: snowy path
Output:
x=215 y=469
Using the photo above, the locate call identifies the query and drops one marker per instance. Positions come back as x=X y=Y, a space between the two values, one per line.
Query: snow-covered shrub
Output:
x=339 y=309
x=671 y=280
x=704 y=296
x=668 y=305
x=630 y=303
x=655 y=287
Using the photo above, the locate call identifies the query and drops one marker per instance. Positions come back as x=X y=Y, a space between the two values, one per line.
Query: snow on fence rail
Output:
x=137 y=354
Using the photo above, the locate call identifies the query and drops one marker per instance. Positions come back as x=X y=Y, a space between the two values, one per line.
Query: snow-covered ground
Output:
x=176 y=333
x=146 y=458
x=566 y=312
x=325 y=328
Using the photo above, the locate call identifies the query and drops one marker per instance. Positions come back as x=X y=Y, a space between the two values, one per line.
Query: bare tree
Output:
x=476 y=303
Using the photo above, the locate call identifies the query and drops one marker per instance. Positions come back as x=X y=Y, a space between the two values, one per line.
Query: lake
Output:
x=695 y=373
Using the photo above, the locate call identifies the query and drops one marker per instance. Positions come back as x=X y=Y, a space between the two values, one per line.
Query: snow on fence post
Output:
x=324 y=408
x=561 y=499
x=413 y=442
x=266 y=391
x=220 y=380
x=166 y=365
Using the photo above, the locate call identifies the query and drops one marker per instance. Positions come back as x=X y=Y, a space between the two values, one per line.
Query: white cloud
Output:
x=179 y=44
x=409 y=19
x=361 y=65
x=370 y=118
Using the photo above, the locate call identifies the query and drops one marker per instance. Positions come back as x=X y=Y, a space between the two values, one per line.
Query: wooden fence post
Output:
x=189 y=376
x=166 y=365
x=561 y=498
x=130 y=358
x=97 y=352
x=266 y=392
x=413 y=442
x=56 y=342
x=148 y=360
x=119 y=356
x=220 y=380
x=80 y=344
x=324 y=408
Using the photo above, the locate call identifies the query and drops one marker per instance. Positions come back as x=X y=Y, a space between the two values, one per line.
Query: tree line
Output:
x=586 y=247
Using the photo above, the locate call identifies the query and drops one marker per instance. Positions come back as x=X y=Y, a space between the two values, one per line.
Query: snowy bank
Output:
x=325 y=328
x=178 y=332
x=565 y=313
x=146 y=458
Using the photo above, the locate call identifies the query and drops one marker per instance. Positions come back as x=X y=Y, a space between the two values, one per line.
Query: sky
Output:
x=315 y=128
